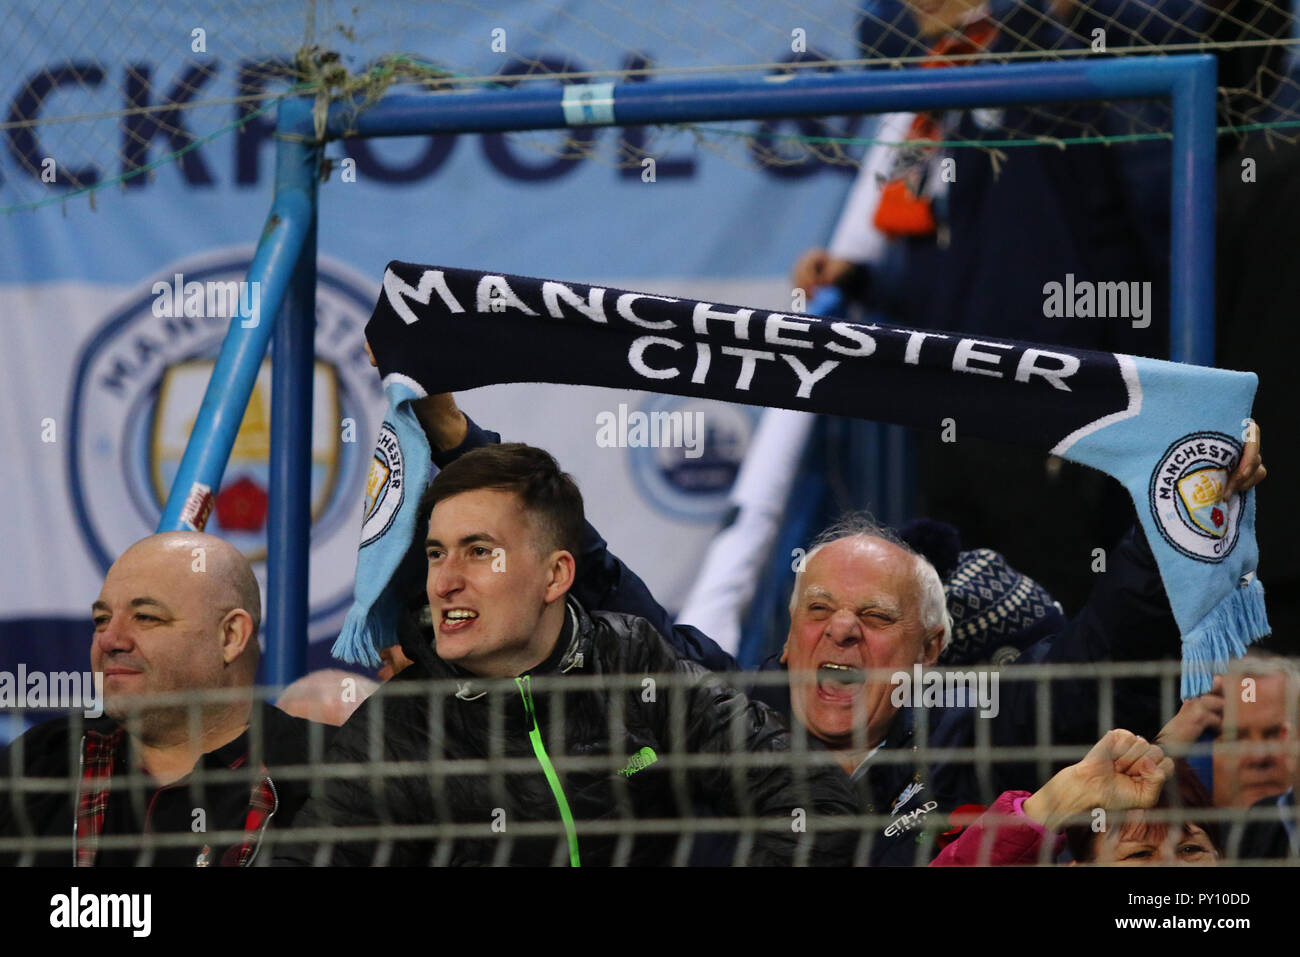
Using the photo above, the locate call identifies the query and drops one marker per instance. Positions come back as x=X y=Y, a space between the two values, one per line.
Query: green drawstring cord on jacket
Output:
x=553 y=779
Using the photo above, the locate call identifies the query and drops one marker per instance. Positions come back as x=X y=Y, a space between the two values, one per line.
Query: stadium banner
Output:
x=115 y=304
x=1168 y=432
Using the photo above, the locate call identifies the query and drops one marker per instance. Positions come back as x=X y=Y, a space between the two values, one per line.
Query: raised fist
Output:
x=1121 y=771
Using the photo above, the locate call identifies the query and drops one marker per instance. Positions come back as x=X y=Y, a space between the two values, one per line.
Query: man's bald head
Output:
x=223 y=574
x=178 y=613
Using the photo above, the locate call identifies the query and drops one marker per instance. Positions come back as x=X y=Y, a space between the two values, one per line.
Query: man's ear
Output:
x=932 y=648
x=563 y=569
x=236 y=633
x=785 y=649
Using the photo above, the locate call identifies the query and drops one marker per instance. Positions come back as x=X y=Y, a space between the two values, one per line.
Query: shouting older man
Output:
x=175 y=640
x=867 y=608
x=863 y=604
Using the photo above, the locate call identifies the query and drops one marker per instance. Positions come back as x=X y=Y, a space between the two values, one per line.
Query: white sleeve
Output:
x=729 y=575
x=855 y=238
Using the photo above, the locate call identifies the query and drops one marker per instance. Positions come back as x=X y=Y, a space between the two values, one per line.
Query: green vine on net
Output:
x=323 y=72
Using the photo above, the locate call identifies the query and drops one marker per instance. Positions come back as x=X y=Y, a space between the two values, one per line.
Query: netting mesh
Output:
x=150 y=87
x=436 y=772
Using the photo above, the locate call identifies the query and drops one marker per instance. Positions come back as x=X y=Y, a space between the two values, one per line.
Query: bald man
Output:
x=178 y=614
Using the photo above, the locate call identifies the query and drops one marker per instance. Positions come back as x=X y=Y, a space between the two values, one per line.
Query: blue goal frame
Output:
x=285 y=261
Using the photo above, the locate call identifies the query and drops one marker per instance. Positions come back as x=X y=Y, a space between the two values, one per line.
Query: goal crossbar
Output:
x=285 y=261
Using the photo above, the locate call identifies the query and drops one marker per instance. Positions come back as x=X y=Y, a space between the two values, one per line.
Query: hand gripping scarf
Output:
x=1171 y=433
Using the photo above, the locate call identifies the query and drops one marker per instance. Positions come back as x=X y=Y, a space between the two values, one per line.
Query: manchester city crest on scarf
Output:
x=384 y=486
x=1187 y=496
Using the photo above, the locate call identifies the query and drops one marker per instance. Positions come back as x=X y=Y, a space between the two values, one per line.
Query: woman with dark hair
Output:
x=1169 y=839
x=1106 y=800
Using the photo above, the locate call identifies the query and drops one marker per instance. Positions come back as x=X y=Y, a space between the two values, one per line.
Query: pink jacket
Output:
x=1003 y=835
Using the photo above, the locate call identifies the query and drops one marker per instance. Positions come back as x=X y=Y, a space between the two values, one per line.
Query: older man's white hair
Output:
x=929 y=586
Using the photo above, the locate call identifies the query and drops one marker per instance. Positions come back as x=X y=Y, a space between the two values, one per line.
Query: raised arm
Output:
x=1120 y=771
x=1127 y=618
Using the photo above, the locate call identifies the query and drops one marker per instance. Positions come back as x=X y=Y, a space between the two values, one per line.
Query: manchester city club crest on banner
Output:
x=136 y=394
x=239 y=508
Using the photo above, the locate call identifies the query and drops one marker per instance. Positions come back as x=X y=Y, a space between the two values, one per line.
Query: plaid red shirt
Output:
x=98 y=757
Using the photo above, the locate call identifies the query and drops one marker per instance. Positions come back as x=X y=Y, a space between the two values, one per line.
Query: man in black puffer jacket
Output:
x=564 y=769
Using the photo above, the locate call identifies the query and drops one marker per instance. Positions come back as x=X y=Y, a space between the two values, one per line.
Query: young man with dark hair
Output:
x=555 y=758
x=550 y=496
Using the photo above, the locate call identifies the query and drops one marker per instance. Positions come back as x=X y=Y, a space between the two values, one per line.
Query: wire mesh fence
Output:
x=680 y=768
x=106 y=95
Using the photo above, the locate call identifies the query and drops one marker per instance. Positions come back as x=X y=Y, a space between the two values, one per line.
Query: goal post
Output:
x=284 y=265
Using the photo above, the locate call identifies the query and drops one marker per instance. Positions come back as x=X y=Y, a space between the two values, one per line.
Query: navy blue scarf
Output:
x=1170 y=433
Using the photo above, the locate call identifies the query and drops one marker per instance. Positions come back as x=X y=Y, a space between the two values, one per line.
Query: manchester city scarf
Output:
x=387 y=559
x=1171 y=433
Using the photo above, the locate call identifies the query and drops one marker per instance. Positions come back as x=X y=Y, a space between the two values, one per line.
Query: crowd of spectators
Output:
x=537 y=705
x=540 y=707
